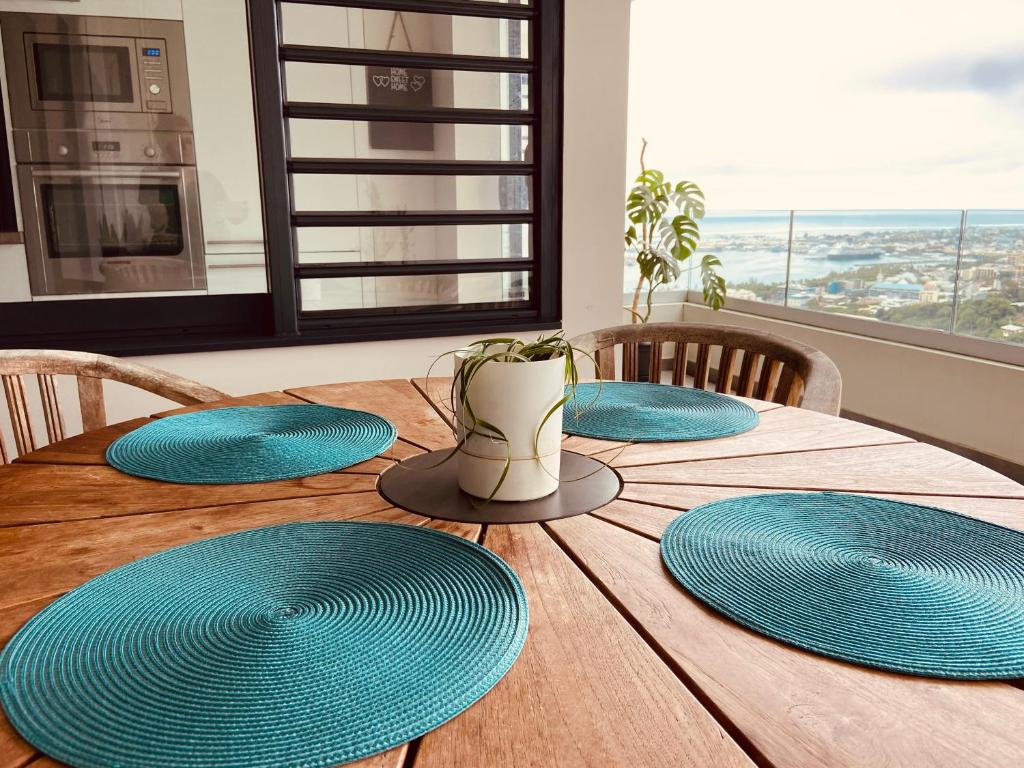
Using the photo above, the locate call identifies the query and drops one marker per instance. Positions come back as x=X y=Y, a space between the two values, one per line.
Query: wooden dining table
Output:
x=621 y=666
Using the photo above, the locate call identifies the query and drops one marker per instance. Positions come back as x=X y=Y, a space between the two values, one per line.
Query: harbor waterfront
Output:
x=897 y=266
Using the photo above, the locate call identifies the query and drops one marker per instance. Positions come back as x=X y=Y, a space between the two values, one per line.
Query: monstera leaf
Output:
x=654 y=180
x=658 y=266
x=688 y=198
x=679 y=236
x=713 y=283
x=646 y=206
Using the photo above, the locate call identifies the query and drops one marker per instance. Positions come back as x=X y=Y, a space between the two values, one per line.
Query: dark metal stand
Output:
x=419 y=485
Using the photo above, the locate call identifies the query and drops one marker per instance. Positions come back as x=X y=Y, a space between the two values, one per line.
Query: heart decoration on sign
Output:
x=400 y=87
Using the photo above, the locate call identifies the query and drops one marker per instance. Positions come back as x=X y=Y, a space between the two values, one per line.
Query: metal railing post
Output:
x=789 y=259
x=956 y=274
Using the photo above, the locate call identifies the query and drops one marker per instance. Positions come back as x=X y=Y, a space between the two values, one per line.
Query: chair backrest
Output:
x=744 y=362
x=90 y=370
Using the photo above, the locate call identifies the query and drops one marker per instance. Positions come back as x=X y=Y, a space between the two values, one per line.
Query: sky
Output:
x=821 y=104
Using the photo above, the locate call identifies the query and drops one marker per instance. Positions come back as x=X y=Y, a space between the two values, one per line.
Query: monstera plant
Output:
x=663 y=233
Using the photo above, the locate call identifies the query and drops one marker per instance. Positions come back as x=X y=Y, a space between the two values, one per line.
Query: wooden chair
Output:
x=90 y=370
x=744 y=362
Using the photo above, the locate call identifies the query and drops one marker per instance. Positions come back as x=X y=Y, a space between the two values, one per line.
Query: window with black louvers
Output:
x=411 y=161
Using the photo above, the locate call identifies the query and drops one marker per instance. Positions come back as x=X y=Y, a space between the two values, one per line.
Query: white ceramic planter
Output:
x=514 y=397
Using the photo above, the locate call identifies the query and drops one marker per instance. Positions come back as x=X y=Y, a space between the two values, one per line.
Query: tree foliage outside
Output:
x=980 y=318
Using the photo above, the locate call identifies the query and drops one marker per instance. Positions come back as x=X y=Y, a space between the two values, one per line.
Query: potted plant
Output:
x=506 y=399
x=663 y=232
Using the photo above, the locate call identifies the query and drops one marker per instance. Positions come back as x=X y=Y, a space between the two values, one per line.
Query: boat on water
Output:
x=849 y=253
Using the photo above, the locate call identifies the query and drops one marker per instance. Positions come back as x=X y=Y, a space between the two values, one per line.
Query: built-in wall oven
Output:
x=102 y=133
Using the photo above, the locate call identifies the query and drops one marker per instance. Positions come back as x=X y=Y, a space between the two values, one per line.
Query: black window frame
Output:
x=156 y=325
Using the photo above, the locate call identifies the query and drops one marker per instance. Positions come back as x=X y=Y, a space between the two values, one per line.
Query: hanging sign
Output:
x=405 y=87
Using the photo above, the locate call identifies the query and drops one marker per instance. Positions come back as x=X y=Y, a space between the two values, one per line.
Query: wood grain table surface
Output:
x=621 y=666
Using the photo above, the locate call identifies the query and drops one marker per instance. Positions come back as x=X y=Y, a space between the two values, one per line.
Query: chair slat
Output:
x=784 y=389
x=700 y=375
x=51 y=407
x=3 y=451
x=605 y=359
x=630 y=362
x=90 y=398
x=679 y=364
x=17 y=406
x=726 y=366
x=748 y=369
x=654 y=371
x=769 y=375
x=796 y=393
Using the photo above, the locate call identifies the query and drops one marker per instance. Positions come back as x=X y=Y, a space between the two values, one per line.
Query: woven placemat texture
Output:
x=881 y=583
x=251 y=444
x=307 y=644
x=629 y=411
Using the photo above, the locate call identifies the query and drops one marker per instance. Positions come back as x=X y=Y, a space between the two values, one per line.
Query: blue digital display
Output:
x=150 y=51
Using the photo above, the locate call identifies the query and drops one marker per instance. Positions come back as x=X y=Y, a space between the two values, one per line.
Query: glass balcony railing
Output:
x=959 y=272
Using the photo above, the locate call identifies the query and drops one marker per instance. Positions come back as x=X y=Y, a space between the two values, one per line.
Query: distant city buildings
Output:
x=907 y=291
x=984 y=272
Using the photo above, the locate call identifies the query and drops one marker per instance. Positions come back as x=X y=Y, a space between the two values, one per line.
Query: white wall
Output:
x=594 y=166
x=224 y=129
x=596 y=84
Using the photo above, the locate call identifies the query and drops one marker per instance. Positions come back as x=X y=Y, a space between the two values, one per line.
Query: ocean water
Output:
x=753 y=222
x=763 y=236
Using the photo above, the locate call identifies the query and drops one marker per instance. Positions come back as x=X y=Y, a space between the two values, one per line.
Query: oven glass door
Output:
x=82 y=72
x=105 y=231
x=85 y=219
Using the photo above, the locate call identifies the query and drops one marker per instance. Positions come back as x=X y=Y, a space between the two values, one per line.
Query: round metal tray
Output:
x=422 y=485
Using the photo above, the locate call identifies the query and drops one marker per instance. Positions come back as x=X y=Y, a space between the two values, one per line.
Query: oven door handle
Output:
x=105 y=173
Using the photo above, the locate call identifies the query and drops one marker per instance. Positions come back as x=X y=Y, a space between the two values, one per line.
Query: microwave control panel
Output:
x=155 y=86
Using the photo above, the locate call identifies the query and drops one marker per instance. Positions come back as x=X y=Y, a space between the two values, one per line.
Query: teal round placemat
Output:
x=308 y=644
x=251 y=444
x=628 y=411
x=882 y=583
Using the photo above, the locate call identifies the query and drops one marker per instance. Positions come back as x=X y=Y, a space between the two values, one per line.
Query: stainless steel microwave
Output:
x=88 y=72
